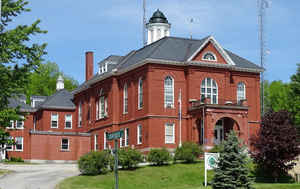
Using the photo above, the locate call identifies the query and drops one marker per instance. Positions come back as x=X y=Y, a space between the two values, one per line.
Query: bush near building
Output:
x=129 y=158
x=159 y=156
x=95 y=163
x=188 y=152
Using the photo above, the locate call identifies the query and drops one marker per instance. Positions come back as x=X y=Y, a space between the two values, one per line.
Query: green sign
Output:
x=115 y=135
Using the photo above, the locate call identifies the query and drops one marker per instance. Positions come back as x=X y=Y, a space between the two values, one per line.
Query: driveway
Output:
x=44 y=176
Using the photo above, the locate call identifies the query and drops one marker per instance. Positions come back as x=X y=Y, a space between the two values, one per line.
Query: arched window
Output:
x=125 y=99
x=209 y=56
x=209 y=89
x=169 y=92
x=241 y=91
x=140 y=93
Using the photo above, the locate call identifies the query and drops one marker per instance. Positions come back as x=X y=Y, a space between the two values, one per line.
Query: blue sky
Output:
x=115 y=27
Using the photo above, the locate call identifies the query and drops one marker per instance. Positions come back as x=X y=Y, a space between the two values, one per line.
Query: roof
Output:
x=158 y=17
x=62 y=99
x=16 y=102
x=169 y=50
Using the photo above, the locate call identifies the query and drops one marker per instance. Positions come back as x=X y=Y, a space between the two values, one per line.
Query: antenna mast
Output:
x=144 y=23
x=262 y=6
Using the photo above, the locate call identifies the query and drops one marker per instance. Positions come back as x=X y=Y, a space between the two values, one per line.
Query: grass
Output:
x=177 y=176
x=3 y=171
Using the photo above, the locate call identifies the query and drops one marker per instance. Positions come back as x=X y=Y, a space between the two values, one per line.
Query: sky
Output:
x=115 y=27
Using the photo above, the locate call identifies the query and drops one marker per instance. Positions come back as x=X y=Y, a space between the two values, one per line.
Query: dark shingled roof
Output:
x=166 y=49
x=62 y=99
x=16 y=102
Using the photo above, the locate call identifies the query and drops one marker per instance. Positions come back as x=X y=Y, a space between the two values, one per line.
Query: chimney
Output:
x=89 y=65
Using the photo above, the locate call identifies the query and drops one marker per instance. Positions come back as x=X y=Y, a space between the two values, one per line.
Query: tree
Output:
x=18 y=58
x=294 y=96
x=232 y=171
x=43 y=80
x=276 y=146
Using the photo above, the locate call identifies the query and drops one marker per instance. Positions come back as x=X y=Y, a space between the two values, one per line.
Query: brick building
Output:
x=170 y=91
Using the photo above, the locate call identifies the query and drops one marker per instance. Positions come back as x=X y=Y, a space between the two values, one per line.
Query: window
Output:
x=125 y=99
x=9 y=146
x=20 y=123
x=80 y=114
x=124 y=141
x=54 y=120
x=241 y=91
x=139 y=134
x=95 y=142
x=105 y=141
x=170 y=133
x=11 y=125
x=65 y=144
x=209 y=56
x=68 y=121
x=19 y=143
x=169 y=92
x=209 y=89
x=101 y=108
x=140 y=94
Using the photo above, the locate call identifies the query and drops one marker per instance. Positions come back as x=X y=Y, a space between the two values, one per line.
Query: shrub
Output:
x=95 y=163
x=16 y=159
x=159 y=156
x=188 y=152
x=216 y=149
x=129 y=158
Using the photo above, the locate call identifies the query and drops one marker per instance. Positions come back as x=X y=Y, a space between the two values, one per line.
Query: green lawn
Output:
x=178 y=176
x=2 y=171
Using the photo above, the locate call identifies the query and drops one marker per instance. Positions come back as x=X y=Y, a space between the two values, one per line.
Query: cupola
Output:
x=60 y=83
x=158 y=27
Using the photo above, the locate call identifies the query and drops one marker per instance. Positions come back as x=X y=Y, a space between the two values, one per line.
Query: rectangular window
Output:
x=19 y=143
x=125 y=99
x=9 y=147
x=54 y=120
x=139 y=134
x=68 y=121
x=95 y=142
x=65 y=144
x=170 y=133
x=124 y=141
x=80 y=115
x=101 y=108
x=11 y=125
x=140 y=94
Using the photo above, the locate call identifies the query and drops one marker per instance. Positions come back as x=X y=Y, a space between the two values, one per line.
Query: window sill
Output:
x=65 y=150
x=101 y=119
x=19 y=150
x=20 y=128
x=54 y=127
x=68 y=128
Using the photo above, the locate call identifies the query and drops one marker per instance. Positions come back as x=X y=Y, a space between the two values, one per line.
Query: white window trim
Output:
x=57 y=120
x=139 y=134
x=11 y=125
x=212 y=88
x=209 y=52
x=237 y=92
x=19 y=150
x=165 y=103
x=173 y=139
x=12 y=146
x=105 y=141
x=61 y=145
x=80 y=115
x=70 y=120
x=140 y=93
x=126 y=137
x=125 y=96
x=95 y=142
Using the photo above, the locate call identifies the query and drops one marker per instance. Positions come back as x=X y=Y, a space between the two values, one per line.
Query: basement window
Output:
x=65 y=144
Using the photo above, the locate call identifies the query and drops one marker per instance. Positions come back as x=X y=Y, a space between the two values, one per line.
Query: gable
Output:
x=209 y=48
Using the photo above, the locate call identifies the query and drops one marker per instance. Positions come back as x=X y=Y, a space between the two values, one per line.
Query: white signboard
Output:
x=211 y=162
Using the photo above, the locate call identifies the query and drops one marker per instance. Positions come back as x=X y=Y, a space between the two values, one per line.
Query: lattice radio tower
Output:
x=262 y=6
x=144 y=23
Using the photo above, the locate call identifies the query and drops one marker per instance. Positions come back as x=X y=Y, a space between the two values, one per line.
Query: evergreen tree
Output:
x=232 y=171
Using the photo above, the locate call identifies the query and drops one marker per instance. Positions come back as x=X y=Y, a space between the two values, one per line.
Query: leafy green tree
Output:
x=43 y=80
x=232 y=171
x=276 y=146
x=18 y=57
x=294 y=96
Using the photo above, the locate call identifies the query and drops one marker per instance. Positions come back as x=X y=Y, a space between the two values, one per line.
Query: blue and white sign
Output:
x=211 y=162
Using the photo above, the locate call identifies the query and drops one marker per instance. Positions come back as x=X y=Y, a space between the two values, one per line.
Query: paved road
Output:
x=45 y=176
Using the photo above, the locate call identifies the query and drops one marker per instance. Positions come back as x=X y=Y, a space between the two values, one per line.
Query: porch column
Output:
x=209 y=131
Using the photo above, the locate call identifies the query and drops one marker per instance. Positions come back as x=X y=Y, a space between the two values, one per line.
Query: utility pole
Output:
x=180 y=117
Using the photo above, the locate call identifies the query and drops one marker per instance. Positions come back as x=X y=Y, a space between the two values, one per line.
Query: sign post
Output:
x=211 y=162
x=115 y=136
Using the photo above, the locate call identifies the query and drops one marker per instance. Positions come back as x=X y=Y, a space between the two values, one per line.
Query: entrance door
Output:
x=219 y=132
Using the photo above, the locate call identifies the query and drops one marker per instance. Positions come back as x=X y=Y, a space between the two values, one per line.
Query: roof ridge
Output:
x=189 y=39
